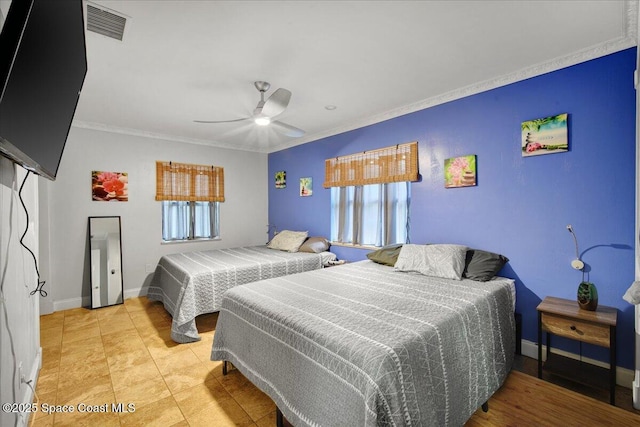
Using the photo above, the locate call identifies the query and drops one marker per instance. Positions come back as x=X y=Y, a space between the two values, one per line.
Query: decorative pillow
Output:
x=287 y=240
x=483 y=265
x=446 y=261
x=387 y=255
x=314 y=245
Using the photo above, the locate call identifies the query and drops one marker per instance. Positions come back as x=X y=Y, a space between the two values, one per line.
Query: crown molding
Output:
x=166 y=137
x=629 y=39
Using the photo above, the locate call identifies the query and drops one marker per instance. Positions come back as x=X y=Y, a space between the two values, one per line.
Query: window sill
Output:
x=351 y=245
x=177 y=242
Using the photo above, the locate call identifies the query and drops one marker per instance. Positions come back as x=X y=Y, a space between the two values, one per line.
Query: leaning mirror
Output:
x=106 y=261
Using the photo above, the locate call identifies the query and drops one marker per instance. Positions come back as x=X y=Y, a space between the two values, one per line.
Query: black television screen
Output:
x=43 y=64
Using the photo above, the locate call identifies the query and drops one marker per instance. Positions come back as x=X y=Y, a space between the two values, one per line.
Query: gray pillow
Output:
x=314 y=245
x=446 y=261
x=387 y=255
x=483 y=265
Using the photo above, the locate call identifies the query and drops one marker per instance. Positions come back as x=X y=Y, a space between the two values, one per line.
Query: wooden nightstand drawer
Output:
x=591 y=333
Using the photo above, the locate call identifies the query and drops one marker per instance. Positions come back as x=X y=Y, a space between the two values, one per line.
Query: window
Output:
x=191 y=197
x=371 y=193
x=374 y=215
x=190 y=220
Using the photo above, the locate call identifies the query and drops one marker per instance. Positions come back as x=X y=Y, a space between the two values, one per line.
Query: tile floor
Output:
x=124 y=354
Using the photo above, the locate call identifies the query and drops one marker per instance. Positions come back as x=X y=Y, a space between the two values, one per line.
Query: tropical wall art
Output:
x=306 y=187
x=545 y=136
x=460 y=171
x=110 y=186
x=281 y=179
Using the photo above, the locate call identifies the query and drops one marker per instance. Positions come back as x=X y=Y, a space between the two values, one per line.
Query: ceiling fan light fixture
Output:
x=267 y=110
x=262 y=121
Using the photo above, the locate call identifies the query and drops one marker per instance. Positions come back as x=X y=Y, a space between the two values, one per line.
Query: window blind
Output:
x=390 y=164
x=188 y=182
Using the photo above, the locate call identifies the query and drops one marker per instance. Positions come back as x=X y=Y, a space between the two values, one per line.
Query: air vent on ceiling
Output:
x=105 y=22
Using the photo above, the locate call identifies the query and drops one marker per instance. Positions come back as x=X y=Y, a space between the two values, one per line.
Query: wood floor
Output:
x=124 y=354
x=527 y=401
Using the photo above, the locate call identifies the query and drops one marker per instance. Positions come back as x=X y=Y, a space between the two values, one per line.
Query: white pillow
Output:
x=287 y=240
x=446 y=261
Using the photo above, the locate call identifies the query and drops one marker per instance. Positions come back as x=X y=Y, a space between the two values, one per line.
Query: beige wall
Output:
x=243 y=216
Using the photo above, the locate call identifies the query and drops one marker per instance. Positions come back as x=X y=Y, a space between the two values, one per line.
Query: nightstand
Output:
x=562 y=317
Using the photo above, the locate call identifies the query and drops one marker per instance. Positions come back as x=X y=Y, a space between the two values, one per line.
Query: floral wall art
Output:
x=110 y=186
x=460 y=171
x=545 y=136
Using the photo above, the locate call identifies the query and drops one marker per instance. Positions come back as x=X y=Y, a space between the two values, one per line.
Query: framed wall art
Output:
x=460 y=171
x=109 y=186
x=306 y=187
x=545 y=136
x=281 y=179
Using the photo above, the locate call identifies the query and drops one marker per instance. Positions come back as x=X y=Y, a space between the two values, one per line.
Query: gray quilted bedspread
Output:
x=193 y=283
x=364 y=345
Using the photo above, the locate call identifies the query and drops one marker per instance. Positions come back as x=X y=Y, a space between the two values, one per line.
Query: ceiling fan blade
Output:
x=286 y=129
x=276 y=103
x=221 y=121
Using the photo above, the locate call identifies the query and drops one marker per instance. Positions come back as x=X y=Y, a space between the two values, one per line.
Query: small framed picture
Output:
x=281 y=179
x=460 y=171
x=306 y=187
x=545 y=136
x=109 y=186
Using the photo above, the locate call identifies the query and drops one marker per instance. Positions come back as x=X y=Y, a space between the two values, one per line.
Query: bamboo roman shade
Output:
x=391 y=164
x=187 y=182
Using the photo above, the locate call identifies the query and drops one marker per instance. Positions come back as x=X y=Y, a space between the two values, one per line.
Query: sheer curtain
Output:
x=374 y=215
x=176 y=218
x=206 y=220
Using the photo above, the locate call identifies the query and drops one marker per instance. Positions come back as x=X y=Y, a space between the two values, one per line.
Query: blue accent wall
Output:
x=521 y=206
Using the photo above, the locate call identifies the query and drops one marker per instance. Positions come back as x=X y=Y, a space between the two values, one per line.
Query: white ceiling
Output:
x=181 y=61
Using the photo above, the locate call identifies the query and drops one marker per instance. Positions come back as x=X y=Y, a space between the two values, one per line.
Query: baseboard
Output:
x=624 y=376
x=636 y=391
x=134 y=293
x=29 y=394
x=67 y=304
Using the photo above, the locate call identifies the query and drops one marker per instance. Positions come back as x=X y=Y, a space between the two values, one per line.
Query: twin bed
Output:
x=367 y=345
x=193 y=283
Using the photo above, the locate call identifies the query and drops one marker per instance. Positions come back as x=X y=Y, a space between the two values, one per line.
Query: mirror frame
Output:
x=90 y=234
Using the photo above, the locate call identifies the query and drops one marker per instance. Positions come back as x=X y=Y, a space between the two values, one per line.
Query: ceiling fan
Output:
x=267 y=110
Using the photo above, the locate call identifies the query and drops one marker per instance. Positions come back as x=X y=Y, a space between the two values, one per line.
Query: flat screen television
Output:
x=43 y=64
